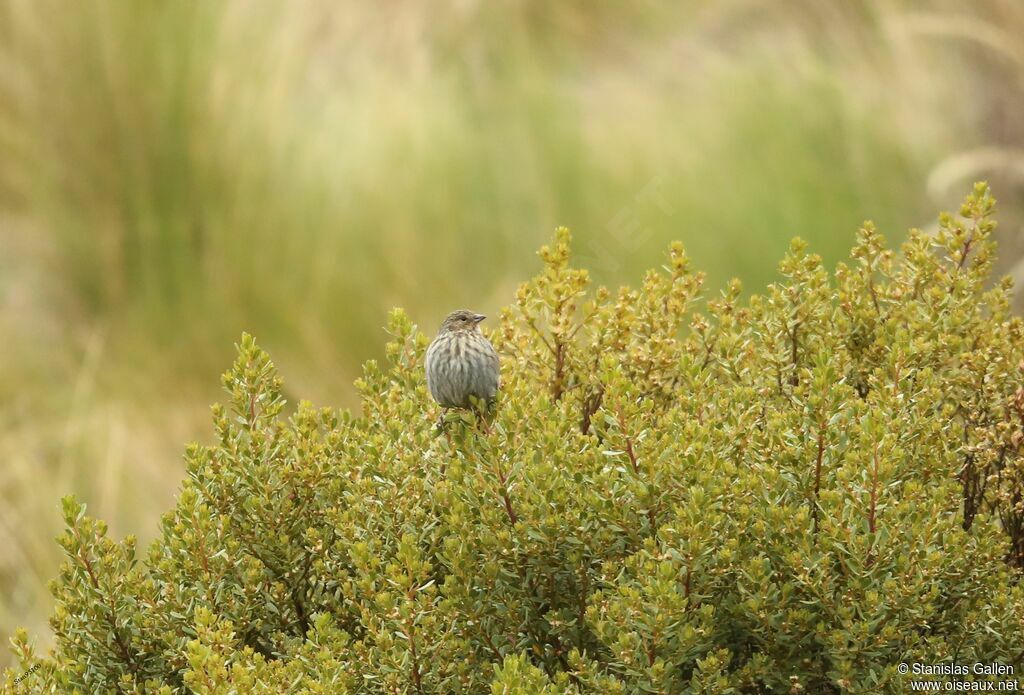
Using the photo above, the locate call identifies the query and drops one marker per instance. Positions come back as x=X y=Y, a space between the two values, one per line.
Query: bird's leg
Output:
x=484 y=412
x=442 y=428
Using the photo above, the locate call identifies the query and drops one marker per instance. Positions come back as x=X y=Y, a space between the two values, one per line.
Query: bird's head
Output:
x=462 y=320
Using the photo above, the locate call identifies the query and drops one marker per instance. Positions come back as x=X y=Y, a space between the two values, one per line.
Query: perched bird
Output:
x=461 y=362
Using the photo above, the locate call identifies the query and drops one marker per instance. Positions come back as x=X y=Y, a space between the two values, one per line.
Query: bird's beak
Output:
x=477 y=318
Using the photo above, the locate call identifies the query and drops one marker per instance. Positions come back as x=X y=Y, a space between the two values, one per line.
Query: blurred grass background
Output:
x=173 y=172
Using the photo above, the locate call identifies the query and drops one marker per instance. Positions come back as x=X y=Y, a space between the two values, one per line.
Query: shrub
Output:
x=796 y=493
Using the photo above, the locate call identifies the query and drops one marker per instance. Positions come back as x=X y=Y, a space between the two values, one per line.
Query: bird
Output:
x=461 y=364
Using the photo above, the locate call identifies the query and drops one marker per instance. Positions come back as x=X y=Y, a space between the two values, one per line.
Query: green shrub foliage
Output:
x=794 y=493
